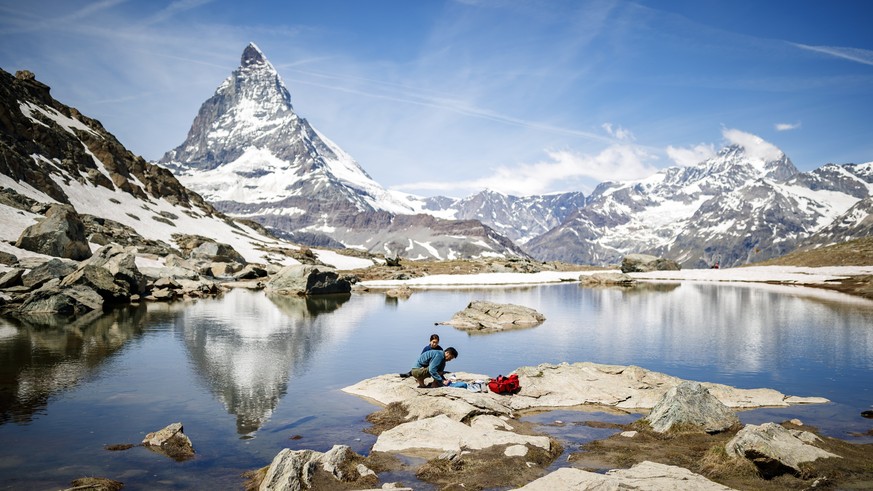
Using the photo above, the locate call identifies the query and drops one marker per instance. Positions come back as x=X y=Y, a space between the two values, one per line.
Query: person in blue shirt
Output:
x=432 y=363
x=433 y=344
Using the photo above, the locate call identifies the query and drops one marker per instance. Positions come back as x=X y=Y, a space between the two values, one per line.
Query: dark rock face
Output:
x=60 y=234
x=53 y=269
x=304 y=279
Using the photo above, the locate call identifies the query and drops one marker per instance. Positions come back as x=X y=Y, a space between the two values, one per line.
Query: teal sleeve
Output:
x=434 y=368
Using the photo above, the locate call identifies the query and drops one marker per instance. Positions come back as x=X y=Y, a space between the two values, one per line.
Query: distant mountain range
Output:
x=249 y=162
x=251 y=155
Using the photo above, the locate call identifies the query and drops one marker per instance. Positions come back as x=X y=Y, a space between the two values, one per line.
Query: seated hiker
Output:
x=434 y=344
x=431 y=364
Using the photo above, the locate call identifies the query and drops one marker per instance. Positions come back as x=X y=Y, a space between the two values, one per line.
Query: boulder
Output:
x=217 y=252
x=8 y=259
x=99 y=280
x=433 y=436
x=774 y=449
x=120 y=262
x=224 y=269
x=399 y=292
x=61 y=234
x=608 y=278
x=11 y=278
x=170 y=441
x=250 y=272
x=295 y=469
x=481 y=316
x=51 y=299
x=646 y=475
x=690 y=405
x=52 y=269
x=641 y=263
x=306 y=279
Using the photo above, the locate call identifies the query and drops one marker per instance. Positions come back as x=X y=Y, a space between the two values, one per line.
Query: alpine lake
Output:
x=249 y=374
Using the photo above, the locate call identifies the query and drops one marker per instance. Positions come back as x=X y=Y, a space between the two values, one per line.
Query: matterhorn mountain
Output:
x=741 y=206
x=55 y=155
x=250 y=155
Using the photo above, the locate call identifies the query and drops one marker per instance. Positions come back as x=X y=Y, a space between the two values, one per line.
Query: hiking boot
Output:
x=407 y=374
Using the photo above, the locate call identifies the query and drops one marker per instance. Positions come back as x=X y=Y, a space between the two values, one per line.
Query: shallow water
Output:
x=246 y=373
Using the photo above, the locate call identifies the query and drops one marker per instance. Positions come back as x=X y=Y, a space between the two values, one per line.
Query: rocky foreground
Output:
x=474 y=439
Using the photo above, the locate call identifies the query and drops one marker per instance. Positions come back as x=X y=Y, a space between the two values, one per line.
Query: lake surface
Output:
x=249 y=375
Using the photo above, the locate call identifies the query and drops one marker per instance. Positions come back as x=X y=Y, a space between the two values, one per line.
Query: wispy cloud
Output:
x=787 y=126
x=174 y=8
x=691 y=155
x=756 y=147
x=858 y=55
x=562 y=170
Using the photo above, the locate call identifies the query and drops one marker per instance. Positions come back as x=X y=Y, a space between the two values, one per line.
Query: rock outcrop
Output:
x=646 y=475
x=484 y=317
x=775 y=449
x=689 y=405
x=305 y=279
x=295 y=469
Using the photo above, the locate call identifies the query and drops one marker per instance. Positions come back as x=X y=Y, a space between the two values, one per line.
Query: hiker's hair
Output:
x=434 y=336
x=452 y=351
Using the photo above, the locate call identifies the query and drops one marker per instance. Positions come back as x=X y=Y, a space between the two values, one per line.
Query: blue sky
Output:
x=450 y=97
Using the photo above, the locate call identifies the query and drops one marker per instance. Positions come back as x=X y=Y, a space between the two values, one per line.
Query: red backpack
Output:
x=504 y=385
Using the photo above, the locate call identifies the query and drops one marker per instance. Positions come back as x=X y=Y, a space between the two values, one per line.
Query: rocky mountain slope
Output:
x=252 y=156
x=51 y=153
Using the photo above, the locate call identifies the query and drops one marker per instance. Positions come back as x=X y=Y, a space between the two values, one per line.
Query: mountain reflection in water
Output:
x=248 y=374
x=246 y=352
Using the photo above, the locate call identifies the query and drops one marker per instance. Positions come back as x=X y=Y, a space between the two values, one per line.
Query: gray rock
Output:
x=641 y=263
x=170 y=441
x=483 y=316
x=217 y=252
x=61 y=234
x=646 y=475
x=774 y=449
x=11 y=278
x=433 y=436
x=294 y=469
x=228 y=268
x=690 y=405
x=608 y=278
x=50 y=299
x=305 y=279
x=8 y=259
x=52 y=269
x=120 y=262
x=99 y=280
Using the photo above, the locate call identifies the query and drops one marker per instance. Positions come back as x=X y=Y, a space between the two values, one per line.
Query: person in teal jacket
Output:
x=432 y=363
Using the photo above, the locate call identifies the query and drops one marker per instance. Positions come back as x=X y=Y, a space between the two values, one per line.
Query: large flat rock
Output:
x=648 y=476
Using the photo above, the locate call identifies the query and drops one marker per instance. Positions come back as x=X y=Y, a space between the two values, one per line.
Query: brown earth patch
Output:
x=705 y=454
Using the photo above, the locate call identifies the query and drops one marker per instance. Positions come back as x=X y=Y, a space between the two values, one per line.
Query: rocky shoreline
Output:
x=471 y=439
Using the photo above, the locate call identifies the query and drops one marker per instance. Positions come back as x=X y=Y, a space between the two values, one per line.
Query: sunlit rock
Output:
x=646 y=475
x=774 y=449
x=171 y=442
x=690 y=405
x=481 y=316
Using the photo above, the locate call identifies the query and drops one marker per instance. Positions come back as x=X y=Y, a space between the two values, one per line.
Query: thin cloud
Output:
x=756 y=147
x=618 y=132
x=787 y=126
x=174 y=8
x=859 y=55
